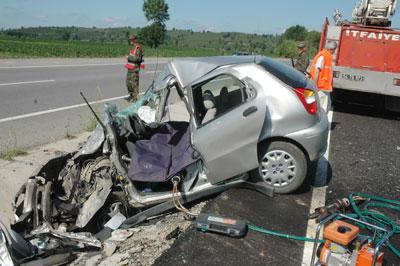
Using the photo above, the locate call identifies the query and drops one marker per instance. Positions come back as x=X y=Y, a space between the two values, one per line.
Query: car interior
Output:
x=216 y=97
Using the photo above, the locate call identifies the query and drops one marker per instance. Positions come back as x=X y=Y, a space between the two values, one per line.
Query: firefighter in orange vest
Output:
x=322 y=74
x=135 y=59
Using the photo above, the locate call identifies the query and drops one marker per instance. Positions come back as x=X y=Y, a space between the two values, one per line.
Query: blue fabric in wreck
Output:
x=166 y=153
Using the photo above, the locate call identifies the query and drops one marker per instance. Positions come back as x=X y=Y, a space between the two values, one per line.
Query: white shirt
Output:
x=320 y=62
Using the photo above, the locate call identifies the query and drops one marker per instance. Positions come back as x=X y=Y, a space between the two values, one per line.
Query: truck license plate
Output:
x=357 y=78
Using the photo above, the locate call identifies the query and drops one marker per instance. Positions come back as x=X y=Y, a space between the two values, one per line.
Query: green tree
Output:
x=286 y=48
x=153 y=35
x=313 y=39
x=156 y=11
x=296 y=33
x=66 y=35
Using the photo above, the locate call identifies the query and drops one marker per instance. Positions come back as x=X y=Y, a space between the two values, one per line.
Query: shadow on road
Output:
x=364 y=104
x=364 y=110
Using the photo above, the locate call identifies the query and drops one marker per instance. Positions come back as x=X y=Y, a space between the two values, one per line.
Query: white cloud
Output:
x=112 y=21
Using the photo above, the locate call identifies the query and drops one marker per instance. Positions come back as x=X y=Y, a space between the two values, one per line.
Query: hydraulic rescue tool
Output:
x=211 y=223
x=344 y=245
x=355 y=230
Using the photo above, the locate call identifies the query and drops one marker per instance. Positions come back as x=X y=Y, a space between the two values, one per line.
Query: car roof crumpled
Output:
x=187 y=70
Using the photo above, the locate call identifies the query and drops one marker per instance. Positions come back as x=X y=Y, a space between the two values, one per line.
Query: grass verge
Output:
x=10 y=155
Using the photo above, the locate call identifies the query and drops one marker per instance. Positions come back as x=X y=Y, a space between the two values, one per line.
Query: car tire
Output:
x=283 y=166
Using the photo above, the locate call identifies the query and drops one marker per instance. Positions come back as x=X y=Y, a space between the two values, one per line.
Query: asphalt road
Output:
x=40 y=100
x=364 y=157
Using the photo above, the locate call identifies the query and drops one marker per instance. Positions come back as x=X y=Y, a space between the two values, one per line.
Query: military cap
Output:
x=301 y=45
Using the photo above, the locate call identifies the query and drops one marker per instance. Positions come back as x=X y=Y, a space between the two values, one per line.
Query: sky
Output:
x=250 y=16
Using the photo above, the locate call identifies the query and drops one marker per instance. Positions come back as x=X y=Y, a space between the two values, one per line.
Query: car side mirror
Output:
x=172 y=82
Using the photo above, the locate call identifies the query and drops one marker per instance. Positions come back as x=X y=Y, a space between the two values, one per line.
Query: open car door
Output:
x=228 y=117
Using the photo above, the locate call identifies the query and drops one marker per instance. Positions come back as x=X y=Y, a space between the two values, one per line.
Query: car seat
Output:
x=223 y=100
x=210 y=106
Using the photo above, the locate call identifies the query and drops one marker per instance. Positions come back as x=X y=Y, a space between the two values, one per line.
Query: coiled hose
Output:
x=363 y=212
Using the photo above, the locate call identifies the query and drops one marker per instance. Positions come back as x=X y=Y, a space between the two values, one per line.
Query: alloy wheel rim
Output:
x=278 y=168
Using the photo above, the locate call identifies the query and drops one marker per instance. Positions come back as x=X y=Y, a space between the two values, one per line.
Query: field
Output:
x=14 y=48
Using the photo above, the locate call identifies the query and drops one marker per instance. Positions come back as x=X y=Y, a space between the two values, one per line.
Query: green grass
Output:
x=15 y=48
x=91 y=124
x=9 y=155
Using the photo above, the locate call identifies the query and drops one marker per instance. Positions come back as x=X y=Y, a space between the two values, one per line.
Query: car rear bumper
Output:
x=313 y=139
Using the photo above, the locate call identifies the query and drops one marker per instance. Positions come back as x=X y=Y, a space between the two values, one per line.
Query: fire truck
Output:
x=368 y=54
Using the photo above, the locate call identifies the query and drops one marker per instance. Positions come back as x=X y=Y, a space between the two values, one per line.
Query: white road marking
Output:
x=7 y=119
x=152 y=71
x=73 y=65
x=318 y=197
x=27 y=82
x=50 y=66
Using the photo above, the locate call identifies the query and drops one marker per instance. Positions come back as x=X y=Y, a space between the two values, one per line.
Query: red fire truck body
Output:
x=367 y=60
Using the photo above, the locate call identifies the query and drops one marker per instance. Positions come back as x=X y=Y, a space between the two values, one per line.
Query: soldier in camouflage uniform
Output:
x=302 y=60
x=135 y=58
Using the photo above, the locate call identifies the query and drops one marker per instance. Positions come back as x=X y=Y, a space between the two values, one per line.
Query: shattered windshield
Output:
x=150 y=102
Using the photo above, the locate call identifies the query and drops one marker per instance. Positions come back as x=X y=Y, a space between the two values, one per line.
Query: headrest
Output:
x=208 y=100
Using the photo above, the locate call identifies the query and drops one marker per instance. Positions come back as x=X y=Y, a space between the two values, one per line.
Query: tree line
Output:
x=283 y=45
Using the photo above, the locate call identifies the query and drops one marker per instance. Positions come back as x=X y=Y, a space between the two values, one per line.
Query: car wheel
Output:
x=283 y=167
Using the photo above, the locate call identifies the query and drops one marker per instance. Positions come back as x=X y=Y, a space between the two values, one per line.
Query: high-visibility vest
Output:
x=130 y=65
x=325 y=77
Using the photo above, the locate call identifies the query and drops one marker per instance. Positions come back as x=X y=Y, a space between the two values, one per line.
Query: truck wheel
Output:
x=283 y=167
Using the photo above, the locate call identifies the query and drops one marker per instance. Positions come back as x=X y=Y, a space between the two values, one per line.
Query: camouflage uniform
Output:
x=302 y=61
x=134 y=58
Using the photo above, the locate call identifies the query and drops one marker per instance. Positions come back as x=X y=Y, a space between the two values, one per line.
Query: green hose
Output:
x=273 y=233
x=363 y=213
x=377 y=218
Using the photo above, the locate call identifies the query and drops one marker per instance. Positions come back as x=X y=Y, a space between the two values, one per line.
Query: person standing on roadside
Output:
x=321 y=73
x=302 y=60
x=135 y=59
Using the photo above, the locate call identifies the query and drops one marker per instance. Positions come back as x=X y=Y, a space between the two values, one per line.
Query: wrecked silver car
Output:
x=249 y=122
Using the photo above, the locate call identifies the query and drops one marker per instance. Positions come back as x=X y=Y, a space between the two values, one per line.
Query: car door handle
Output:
x=249 y=111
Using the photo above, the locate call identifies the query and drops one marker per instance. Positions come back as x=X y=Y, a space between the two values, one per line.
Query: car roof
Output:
x=187 y=70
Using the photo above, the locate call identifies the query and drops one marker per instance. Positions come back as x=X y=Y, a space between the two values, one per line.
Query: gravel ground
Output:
x=144 y=246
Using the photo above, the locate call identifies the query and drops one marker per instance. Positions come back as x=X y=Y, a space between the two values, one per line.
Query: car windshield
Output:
x=151 y=98
x=285 y=73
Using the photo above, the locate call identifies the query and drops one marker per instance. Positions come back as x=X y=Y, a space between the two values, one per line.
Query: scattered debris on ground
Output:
x=141 y=245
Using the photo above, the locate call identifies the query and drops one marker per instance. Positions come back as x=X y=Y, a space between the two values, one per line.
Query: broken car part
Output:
x=5 y=257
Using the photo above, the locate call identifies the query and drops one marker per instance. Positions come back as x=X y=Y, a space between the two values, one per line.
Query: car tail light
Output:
x=307 y=98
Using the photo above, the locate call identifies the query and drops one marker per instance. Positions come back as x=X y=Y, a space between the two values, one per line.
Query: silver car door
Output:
x=228 y=142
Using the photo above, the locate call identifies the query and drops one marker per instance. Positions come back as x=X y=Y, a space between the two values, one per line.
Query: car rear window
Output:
x=284 y=72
